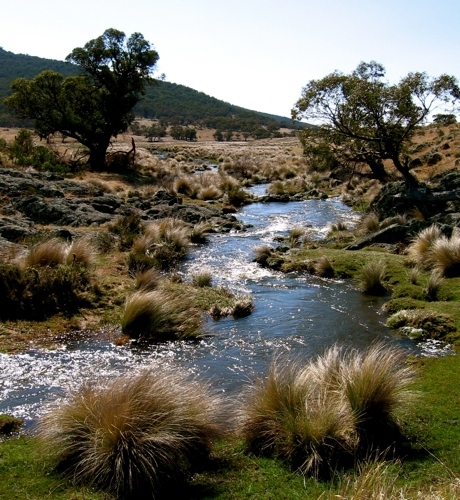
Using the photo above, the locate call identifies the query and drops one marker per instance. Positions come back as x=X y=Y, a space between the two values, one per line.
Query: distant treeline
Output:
x=171 y=103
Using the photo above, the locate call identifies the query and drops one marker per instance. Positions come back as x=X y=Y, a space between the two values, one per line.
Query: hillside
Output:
x=176 y=104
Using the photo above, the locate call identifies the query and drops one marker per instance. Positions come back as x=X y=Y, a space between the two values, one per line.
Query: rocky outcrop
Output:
x=42 y=198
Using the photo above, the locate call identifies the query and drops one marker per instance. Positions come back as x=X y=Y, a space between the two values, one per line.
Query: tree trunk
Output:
x=411 y=181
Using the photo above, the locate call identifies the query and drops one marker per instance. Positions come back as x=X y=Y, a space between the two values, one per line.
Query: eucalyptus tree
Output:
x=362 y=118
x=95 y=105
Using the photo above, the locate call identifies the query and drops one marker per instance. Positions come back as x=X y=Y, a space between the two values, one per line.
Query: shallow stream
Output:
x=295 y=315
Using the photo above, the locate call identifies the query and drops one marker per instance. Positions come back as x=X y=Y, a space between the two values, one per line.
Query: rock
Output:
x=15 y=230
x=391 y=234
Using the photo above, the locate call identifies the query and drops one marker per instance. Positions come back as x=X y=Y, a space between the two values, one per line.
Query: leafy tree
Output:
x=362 y=118
x=155 y=132
x=95 y=105
x=445 y=119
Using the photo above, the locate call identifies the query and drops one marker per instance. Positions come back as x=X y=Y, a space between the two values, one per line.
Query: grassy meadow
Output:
x=351 y=425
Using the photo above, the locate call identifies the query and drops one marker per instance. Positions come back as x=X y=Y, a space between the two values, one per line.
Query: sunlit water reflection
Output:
x=294 y=315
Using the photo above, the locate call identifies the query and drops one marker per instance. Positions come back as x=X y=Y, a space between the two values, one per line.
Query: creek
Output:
x=296 y=315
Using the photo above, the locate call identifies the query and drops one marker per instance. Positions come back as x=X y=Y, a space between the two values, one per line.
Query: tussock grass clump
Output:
x=243 y=306
x=323 y=268
x=329 y=412
x=338 y=226
x=433 y=286
x=37 y=293
x=262 y=253
x=47 y=253
x=147 y=280
x=127 y=228
x=200 y=232
x=9 y=424
x=371 y=278
x=161 y=315
x=370 y=223
x=202 y=279
x=419 y=249
x=134 y=436
x=444 y=254
x=80 y=252
x=433 y=250
x=296 y=237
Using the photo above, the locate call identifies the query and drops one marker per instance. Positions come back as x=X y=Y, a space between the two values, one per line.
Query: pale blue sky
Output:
x=253 y=53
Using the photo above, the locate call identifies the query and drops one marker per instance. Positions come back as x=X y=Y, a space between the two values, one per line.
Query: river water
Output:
x=295 y=315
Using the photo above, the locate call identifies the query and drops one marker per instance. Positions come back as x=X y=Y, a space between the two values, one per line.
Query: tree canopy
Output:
x=95 y=105
x=363 y=119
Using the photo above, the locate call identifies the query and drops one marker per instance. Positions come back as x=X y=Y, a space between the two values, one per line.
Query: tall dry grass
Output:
x=161 y=315
x=50 y=253
x=329 y=412
x=134 y=436
x=419 y=249
x=372 y=276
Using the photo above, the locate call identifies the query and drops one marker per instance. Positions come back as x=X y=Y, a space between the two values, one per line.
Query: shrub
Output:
x=160 y=315
x=134 y=437
x=329 y=412
x=371 y=278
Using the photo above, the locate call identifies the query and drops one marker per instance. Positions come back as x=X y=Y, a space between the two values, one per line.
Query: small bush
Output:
x=371 y=278
x=134 y=437
x=160 y=315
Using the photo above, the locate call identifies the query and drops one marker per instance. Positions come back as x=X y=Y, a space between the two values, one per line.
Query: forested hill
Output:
x=170 y=102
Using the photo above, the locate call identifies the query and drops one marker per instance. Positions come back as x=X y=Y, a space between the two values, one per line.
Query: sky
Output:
x=257 y=54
